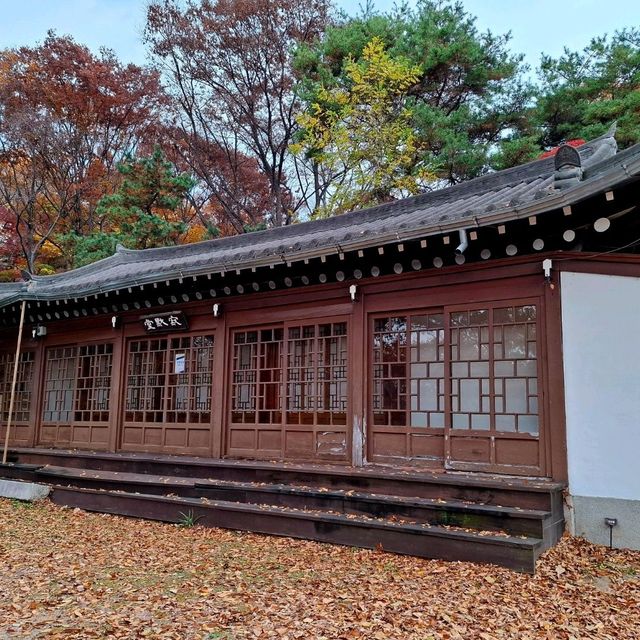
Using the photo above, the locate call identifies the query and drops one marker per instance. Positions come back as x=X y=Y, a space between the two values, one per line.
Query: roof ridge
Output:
x=521 y=173
x=478 y=184
x=494 y=197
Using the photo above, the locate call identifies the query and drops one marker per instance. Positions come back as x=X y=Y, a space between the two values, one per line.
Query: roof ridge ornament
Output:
x=568 y=167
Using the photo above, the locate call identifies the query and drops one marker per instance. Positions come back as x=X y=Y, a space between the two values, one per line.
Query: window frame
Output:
x=75 y=390
x=24 y=397
x=169 y=391
x=447 y=432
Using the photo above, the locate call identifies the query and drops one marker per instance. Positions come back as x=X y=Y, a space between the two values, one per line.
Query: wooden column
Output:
x=37 y=393
x=358 y=375
x=221 y=380
x=118 y=388
x=556 y=432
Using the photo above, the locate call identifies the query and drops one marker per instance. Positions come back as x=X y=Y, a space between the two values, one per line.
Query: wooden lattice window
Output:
x=487 y=359
x=256 y=388
x=515 y=369
x=390 y=371
x=190 y=385
x=170 y=380
x=77 y=384
x=59 y=384
x=93 y=386
x=317 y=374
x=24 y=385
x=408 y=371
x=494 y=371
x=470 y=370
x=146 y=380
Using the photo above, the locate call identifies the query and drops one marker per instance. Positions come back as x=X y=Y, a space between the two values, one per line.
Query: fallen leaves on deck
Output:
x=67 y=574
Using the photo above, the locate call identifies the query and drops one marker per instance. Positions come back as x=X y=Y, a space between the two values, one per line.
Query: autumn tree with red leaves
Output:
x=67 y=117
x=9 y=246
x=231 y=195
x=228 y=66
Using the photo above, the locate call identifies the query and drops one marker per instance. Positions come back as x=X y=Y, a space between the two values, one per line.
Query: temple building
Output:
x=470 y=342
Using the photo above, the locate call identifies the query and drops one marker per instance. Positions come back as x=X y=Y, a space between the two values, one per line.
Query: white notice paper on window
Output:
x=181 y=362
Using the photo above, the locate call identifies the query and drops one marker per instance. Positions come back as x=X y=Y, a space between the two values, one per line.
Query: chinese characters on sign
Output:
x=165 y=322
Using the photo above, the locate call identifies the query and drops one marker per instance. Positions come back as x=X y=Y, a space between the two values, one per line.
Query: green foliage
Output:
x=361 y=132
x=88 y=249
x=141 y=214
x=259 y=226
x=582 y=93
x=468 y=92
x=9 y=275
x=44 y=269
x=188 y=520
x=22 y=504
x=516 y=151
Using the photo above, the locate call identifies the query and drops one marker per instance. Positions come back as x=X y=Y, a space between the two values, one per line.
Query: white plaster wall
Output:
x=601 y=341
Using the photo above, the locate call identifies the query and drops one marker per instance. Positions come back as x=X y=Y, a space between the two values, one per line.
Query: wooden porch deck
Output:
x=449 y=515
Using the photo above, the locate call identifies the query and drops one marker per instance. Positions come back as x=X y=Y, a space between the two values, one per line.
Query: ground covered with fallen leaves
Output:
x=69 y=574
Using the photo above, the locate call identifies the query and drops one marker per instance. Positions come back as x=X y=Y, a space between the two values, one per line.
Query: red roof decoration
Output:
x=578 y=142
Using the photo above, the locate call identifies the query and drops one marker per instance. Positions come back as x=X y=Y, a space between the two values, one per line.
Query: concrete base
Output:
x=585 y=517
x=23 y=490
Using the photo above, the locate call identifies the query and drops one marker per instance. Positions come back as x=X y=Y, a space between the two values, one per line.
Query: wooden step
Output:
x=512 y=520
x=316 y=501
x=422 y=540
x=118 y=480
x=15 y=471
x=466 y=487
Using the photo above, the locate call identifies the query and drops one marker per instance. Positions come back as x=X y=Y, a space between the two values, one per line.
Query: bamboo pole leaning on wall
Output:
x=14 y=381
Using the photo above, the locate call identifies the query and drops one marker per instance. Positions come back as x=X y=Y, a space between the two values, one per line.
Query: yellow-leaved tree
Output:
x=361 y=133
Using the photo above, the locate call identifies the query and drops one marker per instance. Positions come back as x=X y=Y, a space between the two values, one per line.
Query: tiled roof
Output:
x=496 y=197
x=10 y=292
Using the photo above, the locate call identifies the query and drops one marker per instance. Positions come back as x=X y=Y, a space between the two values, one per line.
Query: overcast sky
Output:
x=536 y=25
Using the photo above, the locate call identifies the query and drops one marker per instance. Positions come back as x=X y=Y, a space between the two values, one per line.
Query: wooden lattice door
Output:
x=289 y=392
x=493 y=391
x=316 y=423
x=255 y=420
x=22 y=429
x=169 y=395
x=458 y=388
x=77 y=396
x=407 y=389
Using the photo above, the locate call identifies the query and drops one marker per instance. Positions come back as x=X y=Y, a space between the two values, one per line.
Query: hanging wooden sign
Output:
x=165 y=322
